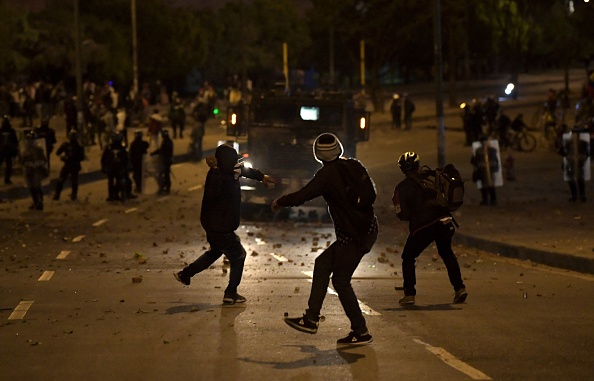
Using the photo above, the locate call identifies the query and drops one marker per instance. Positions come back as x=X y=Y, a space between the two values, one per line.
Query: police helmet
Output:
x=72 y=135
x=30 y=135
x=138 y=133
x=117 y=138
x=408 y=161
x=6 y=121
x=165 y=132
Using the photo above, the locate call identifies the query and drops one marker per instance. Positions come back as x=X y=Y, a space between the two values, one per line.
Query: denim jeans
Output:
x=415 y=244
x=339 y=261
x=228 y=244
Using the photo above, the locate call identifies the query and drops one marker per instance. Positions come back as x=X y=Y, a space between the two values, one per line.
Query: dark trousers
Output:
x=37 y=196
x=115 y=186
x=488 y=195
x=577 y=187
x=8 y=170
x=64 y=173
x=415 y=244
x=230 y=246
x=339 y=261
x=137 y=176
x=165 y=179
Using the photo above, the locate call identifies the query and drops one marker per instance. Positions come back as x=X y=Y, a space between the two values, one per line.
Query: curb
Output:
x=553 y=259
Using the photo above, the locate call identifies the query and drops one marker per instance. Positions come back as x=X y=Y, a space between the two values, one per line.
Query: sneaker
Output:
x=460 y=296
x=184 y=279
x=303 y=324
x=407 y=300
x=232 y=299
x=354 y=339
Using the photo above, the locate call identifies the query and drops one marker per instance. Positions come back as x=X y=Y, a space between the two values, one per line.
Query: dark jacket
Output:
x=166 y=151
x=327 y=182
x=222 y=199
x=412 y=204
x=138 y=147
x=71 y=154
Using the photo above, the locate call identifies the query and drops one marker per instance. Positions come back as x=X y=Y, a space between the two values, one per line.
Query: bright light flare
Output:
x=362 y=123
x=509 y=88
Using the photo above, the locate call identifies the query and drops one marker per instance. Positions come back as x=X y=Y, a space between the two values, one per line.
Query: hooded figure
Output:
x=220 y=218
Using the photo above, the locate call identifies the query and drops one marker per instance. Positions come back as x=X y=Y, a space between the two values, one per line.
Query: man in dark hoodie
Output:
x=220 y=216
x=356 y=231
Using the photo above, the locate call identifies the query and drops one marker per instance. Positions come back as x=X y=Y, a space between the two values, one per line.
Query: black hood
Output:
x=226 y=158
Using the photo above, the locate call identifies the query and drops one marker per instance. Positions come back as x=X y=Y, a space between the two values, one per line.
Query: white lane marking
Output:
x=46 y=276
x=163 y=199
x=195 y=188
x=63 y=254
x=364 y=307
x=78 y=238
x=100 y=222
x=20 y=310
x=130 y=210
x=452 y=361
x=279 y=257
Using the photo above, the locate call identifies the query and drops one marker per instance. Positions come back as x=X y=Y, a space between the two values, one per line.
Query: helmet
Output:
x=165 y=132
x=6 y=121
x=117 y=138
x=30 y=135
x=138 y=133
x=72 y=135
x=408 y=161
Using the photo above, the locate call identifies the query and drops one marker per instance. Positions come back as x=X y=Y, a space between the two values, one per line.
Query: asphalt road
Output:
x=88 y=293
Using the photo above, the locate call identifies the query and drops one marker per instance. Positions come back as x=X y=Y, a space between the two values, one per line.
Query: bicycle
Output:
x=521 y=140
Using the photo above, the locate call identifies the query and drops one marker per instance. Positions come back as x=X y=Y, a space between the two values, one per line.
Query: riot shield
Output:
x=490 y=153
x=576 y=161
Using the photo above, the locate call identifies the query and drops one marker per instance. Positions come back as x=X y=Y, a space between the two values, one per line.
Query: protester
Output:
x=356 y=232
x=72 y=154
x=220 y=215
x=427 y=222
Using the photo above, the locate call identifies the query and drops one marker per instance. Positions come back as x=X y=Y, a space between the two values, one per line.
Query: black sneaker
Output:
x=302 y=324
x=354 y=339
x=460 y=296
x=232 y=299
x=184 y=279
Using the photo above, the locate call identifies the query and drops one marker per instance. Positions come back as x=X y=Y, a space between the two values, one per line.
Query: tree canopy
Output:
x=245 y=38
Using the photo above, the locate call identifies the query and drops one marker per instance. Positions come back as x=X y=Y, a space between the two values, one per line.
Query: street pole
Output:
x=134 y=50
x=362 y=57
x=78 y=74
x=286 y=66
x=439 y=86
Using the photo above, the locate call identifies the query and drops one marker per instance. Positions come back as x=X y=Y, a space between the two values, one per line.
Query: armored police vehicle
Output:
x=276 y=133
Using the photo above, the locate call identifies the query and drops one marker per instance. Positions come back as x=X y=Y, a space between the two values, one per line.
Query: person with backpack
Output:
x=71 y=153
x=356 y=230
x=428 y=222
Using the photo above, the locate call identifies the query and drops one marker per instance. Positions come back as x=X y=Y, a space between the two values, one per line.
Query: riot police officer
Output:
x=71 y=153
x=35 y=170
x=9 y=147
x=166 y=153
x=138 y=148
x=45 y=132
x=114 y=163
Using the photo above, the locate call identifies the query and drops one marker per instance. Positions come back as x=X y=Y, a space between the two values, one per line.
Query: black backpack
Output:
x=444 y=185
x=358 y=184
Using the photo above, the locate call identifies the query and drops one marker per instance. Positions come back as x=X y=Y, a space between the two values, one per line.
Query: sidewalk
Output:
x=533 y=220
